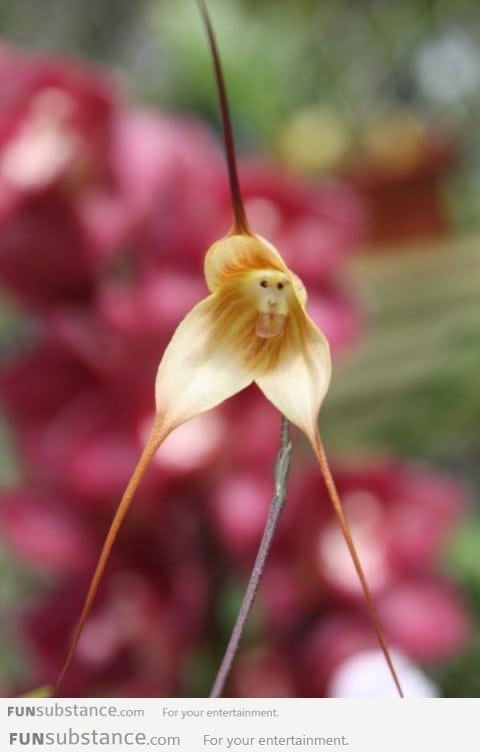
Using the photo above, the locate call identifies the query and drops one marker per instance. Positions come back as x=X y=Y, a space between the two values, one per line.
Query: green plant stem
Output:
x=282 y=467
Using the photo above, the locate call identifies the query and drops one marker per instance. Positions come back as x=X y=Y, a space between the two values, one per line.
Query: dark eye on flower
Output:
x=264 y=283
x=280 y=286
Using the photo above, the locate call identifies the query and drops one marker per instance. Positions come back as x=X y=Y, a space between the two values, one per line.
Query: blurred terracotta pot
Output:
x=399 y=172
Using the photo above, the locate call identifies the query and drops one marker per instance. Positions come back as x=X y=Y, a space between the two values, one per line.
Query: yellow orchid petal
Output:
x=299 y=288
x=202 y=365
x=237 y=254
x=298 y=382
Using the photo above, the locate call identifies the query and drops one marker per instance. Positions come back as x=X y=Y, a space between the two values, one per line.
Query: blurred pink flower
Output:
x=151 y=610
x=426 y=617
x=262 y=673
x=401 y=514
x=45 y=532
x=137 y=634
x=55 y=122
x=363 y=675
x=55 y=119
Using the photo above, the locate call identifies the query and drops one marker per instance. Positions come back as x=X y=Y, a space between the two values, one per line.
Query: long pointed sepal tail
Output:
x=158 y=434
x=321 y=456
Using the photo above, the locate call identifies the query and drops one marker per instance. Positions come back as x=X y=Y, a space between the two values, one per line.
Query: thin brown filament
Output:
x=157 y=435
x=240 y=223
x=338 y=509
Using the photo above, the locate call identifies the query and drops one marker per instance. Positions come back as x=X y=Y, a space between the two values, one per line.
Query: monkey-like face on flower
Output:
x=252 y=327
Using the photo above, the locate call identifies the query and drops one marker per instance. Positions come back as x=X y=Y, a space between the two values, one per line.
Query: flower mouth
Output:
x=271 y=324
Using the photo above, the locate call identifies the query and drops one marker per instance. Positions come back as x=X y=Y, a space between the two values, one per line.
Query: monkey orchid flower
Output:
x=253 y=327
